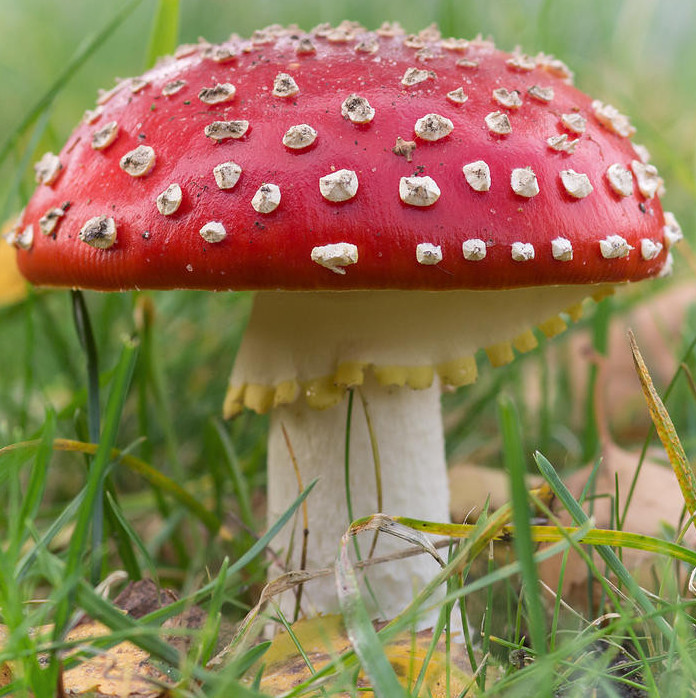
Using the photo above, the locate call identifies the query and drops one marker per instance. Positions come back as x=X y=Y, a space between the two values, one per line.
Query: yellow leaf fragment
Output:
x=122 y=670
x=13 y=286
x=324 y=638
x=665 y=430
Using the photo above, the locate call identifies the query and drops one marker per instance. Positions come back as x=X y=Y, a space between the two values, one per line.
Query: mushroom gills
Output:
x=316 y=345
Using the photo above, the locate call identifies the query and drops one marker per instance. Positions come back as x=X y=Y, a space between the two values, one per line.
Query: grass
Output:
x=114 y=457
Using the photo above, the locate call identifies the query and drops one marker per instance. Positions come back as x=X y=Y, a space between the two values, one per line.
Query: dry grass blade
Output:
x=665 y=430
x=392 y=526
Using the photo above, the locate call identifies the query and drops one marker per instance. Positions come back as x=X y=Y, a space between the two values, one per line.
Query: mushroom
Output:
x=393 y=220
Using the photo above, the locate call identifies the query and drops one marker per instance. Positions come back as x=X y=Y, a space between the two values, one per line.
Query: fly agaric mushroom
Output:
x=398 y=203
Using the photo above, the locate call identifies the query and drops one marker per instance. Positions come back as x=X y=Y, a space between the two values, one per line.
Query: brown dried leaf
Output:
x=125 y=670
x=143 y=597
x=5 y=675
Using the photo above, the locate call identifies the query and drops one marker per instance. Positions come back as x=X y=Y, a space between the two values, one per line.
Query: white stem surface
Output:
x=407 y=426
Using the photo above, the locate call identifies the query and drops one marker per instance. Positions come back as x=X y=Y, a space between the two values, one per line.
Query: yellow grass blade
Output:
x=666 y=431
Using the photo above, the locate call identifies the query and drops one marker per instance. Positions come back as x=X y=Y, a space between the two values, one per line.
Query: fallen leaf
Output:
x=123 y=670
x=323 y=638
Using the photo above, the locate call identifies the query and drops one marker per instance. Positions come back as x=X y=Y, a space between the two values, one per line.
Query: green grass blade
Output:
x=247 y=659
x=15 y=633
x=606 y=553
x=362 y=634
x=224 y=685
x=683 y=363
x=152 y=386
x=26 y=563
x=121 y=533
x=261 y=544
x=600 y=342
x=157 y=479
x=222 y=682
x=298 y=645
x=234 y=470
x=550 y=534
x=346 y=467
x=100 y=609
x=211 y=629
x=514 y=568
x=165 y=31
x=83 y=326
x=487 y=622
x=36 y=485
x=479 y=540
x=133 y=536
x=513 y=458
x=97 y=473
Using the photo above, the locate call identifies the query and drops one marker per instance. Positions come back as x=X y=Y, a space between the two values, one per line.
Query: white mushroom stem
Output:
x=302 y=350
x=407 y=427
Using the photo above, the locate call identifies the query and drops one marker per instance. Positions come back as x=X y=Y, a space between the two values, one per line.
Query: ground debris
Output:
x=123 y=670
x=324 y=638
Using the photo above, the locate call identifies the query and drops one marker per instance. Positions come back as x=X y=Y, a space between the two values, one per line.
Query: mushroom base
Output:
x=407 y=429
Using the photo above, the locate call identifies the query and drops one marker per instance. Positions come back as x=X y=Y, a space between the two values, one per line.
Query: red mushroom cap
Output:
x=345 y=160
